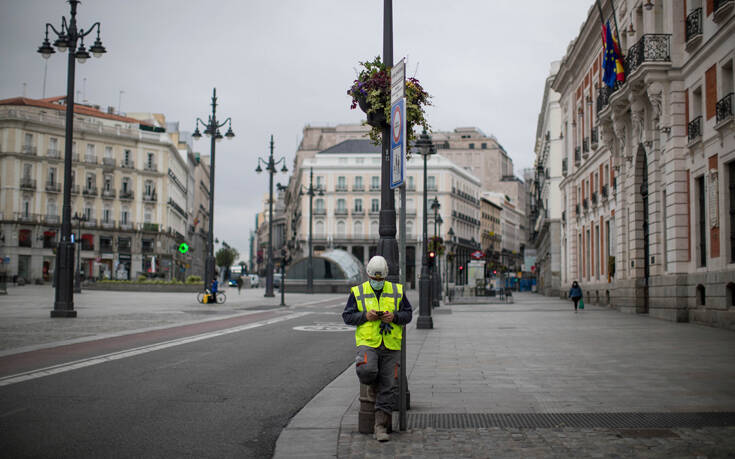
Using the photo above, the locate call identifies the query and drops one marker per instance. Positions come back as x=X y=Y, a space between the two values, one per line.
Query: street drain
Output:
x=583 y=420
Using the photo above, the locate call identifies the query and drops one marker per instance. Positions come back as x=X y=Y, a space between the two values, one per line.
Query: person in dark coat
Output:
x=575 y=293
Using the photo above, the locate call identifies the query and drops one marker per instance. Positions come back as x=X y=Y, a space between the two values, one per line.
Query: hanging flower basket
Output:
x=371 y=92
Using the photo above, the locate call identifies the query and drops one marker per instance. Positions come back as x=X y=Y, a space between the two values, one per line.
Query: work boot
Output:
x=381 y=425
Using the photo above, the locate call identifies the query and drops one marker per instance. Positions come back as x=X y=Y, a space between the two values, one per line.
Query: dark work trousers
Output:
x=380 y=366
x=576 y=301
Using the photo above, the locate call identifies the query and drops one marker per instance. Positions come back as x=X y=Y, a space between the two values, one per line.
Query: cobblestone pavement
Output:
x=710 y=442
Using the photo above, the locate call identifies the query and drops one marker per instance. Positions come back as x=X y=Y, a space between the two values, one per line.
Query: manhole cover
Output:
x=328 y=327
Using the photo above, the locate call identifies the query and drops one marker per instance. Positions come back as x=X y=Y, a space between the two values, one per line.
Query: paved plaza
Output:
x=538 y=356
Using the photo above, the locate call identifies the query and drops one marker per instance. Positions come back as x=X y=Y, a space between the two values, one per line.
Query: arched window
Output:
x=358 y=229
x=341 y=228
x=374 y=228
x=320 y=228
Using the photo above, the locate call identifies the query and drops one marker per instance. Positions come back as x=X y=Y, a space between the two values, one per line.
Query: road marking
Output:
x=325 y=326
x=64 y=367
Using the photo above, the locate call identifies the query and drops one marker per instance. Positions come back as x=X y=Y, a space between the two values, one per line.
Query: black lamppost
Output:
x=447 y=270
x=437 y=269
x=211 y=128
x=311 y=191
x=270 y=166
x=425 y=148
x=67 y=38
x=78 y=271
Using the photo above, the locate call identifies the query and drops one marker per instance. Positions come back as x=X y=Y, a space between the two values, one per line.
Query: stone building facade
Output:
x=129 y=183
x=648 y=192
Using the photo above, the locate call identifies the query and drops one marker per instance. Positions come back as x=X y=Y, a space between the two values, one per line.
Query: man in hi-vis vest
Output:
x=379 y=310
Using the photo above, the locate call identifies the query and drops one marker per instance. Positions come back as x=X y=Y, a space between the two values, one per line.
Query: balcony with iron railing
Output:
x=150 y=227
x=340 y=188
x=29 y=150
x=53 y=187
x=127 y=194
x=593 y=198
x=24 y=217
x=107 y=224
x=27 y=183
x=129 y=164
x=374 y=187
x=128 y=225
x=603 y=97
x=358 y=188
x=564 y=166
x=604 y=191
x=108 y=193
x=651 y=48
x=320 y=211
x=89 y=191
x=358 y=212
x=594 y=137
x=109 y=162
x=90 y=223
x=374 y=212
x=577 y=155
x=53 y=153
x=74 y=189
x=694 y=130
x=90 y=159
x=586 y=146
x=150 y=197
x=724 y=111
x=340 y=212
x=150 y=167
x=586 y=204
x=576 y=210
x=694 y=28
x=722 y=9
x=430 y=187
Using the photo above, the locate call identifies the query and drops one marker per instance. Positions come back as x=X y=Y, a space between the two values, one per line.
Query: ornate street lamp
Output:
x=67 y=38
x=437 y=270
x=311 y=191
x=426 y=148
x=211 y=128
x=435 y=275
x=270 y=166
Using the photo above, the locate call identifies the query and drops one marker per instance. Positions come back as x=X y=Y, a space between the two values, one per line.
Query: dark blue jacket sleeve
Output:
x=404 y=314
x=351 y=315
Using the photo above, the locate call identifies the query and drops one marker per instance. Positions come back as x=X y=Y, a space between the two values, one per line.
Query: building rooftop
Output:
x=353 y=146
x=59 y=103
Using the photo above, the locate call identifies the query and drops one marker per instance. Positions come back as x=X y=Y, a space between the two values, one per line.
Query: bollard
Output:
x=366 y=416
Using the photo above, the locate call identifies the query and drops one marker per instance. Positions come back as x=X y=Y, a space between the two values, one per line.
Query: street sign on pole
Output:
x=398 y=81
x=397 y=143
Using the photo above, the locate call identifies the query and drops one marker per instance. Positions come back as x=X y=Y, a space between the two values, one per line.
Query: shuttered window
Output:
x=710 y=81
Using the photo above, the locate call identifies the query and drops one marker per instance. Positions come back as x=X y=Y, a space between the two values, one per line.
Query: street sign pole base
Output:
x=70 y=313
x=425 y=323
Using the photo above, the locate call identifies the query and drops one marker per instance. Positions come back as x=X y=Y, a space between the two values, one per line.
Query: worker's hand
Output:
x=372 y=315
x=387 y=317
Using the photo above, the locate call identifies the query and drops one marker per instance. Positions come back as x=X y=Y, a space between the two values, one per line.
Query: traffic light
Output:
x=461 y=268
x=495 y=272
x=432 y=257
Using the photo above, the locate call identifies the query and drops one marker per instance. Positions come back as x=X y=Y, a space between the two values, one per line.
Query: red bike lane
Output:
x=42 y=358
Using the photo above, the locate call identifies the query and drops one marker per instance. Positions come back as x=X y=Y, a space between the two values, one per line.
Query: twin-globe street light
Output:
x=311 y=191
x=211 y=129
x=67 y=38
x=270 y=166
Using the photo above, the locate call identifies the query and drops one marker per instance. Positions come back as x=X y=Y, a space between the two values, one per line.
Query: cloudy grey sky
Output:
x=279 y=65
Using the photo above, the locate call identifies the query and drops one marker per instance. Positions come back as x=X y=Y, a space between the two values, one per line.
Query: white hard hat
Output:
x=377 y=268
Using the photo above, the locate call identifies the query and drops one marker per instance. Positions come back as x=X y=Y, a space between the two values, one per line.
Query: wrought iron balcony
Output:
x=564 y=166
x=90 y=159
x=586 y=145
x=603 y=97
x=150 y=227
x=109 y=223
x=604 y=191
x=108 y=194
x=722 y=8
x=127 y=194
x=340 y=188
x=53 y=153
x=653 y=47
x=27 y=183
x=53 y=187
x=586 y=204
x=593 y=198
x=576 y=210
x=340 y=212
x=75 y=189
x=150 y=197
x=320 y=211
x=694 y=129
x=358 y=212
x=108 y=162
x=129 y=164
x=374 y=187
x=724 y=110
x=577 y=156
x=358 y=188
x=411 y=187
x=694 y=25
x=594 y=137
x=150 y=167
x=89 y=191
x=29 y=150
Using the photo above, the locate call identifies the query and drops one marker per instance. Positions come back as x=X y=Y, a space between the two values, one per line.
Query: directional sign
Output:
x=398 y=81
x=397 y=143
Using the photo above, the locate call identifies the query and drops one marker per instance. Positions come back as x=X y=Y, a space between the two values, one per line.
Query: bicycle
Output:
x=220 y=297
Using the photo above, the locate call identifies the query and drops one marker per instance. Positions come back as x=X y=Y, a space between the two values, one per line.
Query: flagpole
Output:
x=615 y=21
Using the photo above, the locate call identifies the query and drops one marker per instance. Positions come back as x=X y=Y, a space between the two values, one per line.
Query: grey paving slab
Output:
x=538 y=356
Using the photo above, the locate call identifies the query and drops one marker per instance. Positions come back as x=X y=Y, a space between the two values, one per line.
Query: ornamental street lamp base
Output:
x=425 y=323
x=63 y=313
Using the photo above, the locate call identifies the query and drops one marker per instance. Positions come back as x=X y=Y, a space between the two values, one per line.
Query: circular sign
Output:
x=397 y=128
x=328 y=327
x=183 y=248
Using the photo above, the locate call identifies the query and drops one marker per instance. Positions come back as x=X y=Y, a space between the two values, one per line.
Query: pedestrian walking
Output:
x=379 y=311
x=575 y=293
x=239 y=284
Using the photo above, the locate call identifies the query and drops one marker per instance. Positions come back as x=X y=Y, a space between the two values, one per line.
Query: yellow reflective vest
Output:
x=368 y=334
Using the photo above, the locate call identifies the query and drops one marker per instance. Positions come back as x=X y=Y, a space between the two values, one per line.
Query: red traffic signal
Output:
x=495 y=271
x=461 y=267
x=432 y=254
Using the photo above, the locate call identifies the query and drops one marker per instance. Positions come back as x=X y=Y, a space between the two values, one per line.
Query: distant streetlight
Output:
x=425 y=148
x=311 y=191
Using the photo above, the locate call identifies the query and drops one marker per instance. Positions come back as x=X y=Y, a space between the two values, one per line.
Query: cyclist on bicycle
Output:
x=215 y=284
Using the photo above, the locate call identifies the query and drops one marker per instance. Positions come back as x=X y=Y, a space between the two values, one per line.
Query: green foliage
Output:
x=226 y=256
x=371 y=90
x=193 y=280
x=142 y=278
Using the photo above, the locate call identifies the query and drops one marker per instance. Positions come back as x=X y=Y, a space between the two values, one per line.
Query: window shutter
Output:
x=710 y=81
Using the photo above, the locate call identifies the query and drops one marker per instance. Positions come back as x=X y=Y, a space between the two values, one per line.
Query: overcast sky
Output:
x=279 y=65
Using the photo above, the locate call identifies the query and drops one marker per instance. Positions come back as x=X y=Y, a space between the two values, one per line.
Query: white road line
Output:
x=64 y=367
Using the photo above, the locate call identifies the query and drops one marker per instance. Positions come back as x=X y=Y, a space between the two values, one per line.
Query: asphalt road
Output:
x=226 y=396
